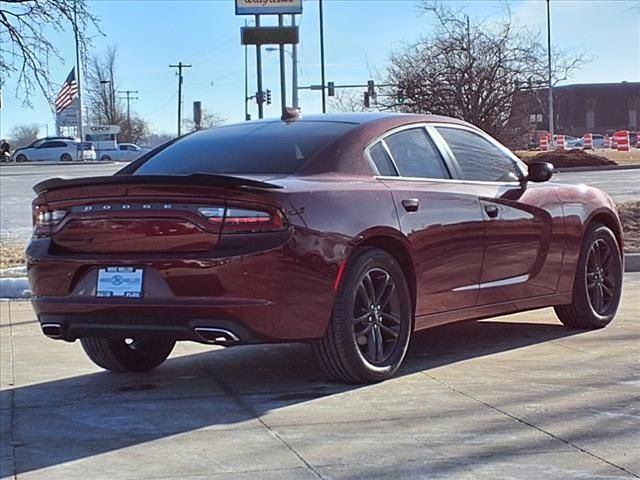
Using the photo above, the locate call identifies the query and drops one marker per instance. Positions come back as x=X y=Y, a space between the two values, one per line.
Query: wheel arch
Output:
x=396 y=246
x=609 y=219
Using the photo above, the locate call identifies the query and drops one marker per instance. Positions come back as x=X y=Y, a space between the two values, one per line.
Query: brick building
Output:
x=596 y=108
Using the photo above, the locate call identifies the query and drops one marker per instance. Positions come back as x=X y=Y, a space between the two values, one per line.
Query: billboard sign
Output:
x=69 y=116
x=268 y=7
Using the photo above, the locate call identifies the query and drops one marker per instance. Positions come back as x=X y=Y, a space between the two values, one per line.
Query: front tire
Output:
x=598 y=284
x=127 y=355
x=370 y=326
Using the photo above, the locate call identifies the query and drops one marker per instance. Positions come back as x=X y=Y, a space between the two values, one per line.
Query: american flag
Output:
x=68 y=92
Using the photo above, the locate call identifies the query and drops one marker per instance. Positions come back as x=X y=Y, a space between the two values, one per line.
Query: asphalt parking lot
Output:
x=512 y=397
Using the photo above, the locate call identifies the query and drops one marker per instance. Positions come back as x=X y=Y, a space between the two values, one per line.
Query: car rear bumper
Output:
x=269 y=296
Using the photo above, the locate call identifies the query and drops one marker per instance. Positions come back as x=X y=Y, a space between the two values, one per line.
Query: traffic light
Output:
x=371 y=88
x=331 y=89
x=367 y=100
x=259 y=97
x=268 y=97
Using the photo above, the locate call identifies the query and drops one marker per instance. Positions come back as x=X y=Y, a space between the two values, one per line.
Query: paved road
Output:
x=517 y=397
x=16 y=182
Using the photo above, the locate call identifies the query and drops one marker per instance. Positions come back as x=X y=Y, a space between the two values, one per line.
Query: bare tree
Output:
x=23 y=135
x=105 y=108
x=476 y=71
x=28 y=49
x=350 y=100
x=209 y=120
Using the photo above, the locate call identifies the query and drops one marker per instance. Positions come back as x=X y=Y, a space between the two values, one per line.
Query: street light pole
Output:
x=294 y=70
x=283 y=82
x=549 y=67
x=322 y=72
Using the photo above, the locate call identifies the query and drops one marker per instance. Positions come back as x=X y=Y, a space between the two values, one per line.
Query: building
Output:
x=595 y=108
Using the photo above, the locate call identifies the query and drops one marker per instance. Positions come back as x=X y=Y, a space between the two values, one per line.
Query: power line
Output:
x=180 y=66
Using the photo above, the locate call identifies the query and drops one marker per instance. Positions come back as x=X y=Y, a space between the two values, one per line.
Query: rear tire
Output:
x=65 y=157
x=598 y=284
x=21 y=158
x=105 y=158
x=370 y=326
x=117 y=355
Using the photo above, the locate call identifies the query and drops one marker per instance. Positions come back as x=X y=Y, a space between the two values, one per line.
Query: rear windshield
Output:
x=258 y=148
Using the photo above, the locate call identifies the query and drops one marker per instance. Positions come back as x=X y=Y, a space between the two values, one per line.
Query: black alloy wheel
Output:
x=598 y=281
x=376 y=316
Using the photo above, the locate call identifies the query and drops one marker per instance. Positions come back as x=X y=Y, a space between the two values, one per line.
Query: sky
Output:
x=360 y=35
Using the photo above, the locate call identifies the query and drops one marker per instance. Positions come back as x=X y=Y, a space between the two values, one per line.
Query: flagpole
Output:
x=78 y=72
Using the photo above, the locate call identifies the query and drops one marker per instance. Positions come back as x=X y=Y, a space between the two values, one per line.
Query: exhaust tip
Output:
x=52 y=330
x=216 y=336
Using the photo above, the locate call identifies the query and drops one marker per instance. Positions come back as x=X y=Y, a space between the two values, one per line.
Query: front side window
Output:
x=479 y=159
x=415 y=155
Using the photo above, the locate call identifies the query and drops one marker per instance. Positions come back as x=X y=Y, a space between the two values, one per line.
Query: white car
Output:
x=53 y=149
x=126 y=152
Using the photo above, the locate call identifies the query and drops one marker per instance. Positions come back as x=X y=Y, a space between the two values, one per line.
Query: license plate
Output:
x=119 y=282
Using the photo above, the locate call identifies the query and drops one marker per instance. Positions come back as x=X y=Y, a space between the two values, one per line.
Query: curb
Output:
x=632 y=262
x=597 y=169
x=75 y=162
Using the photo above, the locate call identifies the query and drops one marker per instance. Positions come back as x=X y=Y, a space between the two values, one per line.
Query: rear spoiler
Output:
x=205 y=179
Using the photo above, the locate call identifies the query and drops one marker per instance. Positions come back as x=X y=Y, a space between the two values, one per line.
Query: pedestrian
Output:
x=5 y=156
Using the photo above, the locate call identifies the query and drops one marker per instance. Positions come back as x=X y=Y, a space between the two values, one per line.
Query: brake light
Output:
x=48 y=218
x=244 y=220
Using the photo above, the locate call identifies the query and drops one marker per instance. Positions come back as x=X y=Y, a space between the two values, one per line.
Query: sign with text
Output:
x=269 y=35
x=267 y=7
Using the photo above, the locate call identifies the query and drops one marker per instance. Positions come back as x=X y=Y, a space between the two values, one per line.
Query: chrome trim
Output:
x=496 y=283
x=447 y=180
x=57 y=326
x=226 y=335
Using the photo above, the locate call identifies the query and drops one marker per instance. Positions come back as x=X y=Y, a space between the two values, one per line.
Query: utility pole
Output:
x=180 y=66
x=128 y=98
x=551 y=142
x=246 y=80
x=322 y=73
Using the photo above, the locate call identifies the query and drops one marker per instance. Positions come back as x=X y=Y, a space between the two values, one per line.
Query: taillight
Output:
x=48 y=218
x=244 y=220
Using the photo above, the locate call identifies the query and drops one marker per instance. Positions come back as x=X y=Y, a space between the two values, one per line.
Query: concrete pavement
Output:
x=515 y=397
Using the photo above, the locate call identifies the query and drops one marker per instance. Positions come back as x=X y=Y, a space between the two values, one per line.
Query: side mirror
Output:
x=540 y=171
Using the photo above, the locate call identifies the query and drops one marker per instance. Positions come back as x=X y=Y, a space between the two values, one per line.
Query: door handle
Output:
x=491 y=210
x=411 y=204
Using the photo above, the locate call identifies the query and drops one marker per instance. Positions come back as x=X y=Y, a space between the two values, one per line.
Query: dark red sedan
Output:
x=348 y=232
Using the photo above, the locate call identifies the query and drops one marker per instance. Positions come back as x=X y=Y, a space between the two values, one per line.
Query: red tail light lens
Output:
x=244 y=220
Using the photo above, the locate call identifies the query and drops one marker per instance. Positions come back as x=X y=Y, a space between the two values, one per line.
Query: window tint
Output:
x=478 y=158
x=415 y=154
x=53 y=144
x=381 y=160
x=265 y=147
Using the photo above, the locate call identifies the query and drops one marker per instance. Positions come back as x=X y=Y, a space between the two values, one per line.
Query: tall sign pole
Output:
x=283 y=82
x=551 y=126
x=78 y=71
x=260 y=93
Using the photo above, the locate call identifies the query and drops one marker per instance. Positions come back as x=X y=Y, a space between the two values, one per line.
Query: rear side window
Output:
x=53 y=144
x=415 y=155
x=478 y=158
x=251 y=148
x=382 y=160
